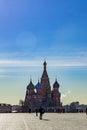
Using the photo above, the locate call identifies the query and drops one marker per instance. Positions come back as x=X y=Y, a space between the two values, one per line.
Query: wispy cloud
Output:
x=58 y=62
x=13 y=63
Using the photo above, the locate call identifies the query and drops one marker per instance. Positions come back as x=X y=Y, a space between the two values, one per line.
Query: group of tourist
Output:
x=41 y=110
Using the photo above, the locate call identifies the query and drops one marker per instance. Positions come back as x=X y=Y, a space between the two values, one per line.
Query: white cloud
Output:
x=6 y=63
x=61 y=63
x=65 y=95
x=68 y=92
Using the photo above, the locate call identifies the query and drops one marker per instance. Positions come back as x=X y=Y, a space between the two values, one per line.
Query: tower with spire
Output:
x=45 y=80
x=42 y=94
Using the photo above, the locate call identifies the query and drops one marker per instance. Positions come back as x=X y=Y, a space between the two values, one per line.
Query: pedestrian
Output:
x=29 y=110
x=42 y=111
x=36 y=112
x=86 y=111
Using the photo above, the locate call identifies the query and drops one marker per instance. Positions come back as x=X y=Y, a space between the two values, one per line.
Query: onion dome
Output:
x=31 y=86
x=56 y=84
x=38 y=85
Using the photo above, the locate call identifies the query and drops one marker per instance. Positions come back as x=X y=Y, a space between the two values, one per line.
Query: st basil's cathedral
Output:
x=41 y=94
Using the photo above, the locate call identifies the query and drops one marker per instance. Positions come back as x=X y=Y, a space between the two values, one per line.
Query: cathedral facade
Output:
x=41 y=94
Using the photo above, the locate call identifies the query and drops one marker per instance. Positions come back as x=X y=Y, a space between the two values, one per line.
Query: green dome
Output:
x=30 y=86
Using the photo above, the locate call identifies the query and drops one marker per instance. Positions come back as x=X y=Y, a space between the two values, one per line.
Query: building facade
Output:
x=5 y=108
x=41 y=94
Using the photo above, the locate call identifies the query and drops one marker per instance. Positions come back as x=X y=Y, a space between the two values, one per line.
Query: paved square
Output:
x=51 y=121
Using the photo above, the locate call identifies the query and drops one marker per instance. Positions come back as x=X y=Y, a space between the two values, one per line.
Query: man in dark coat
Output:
x=41 y=110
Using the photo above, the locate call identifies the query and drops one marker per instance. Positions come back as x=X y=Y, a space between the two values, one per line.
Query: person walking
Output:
x=42 y=111
x=36 y=112
x=86 y=111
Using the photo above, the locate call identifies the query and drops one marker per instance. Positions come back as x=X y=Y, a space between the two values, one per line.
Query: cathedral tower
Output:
x=45 y=80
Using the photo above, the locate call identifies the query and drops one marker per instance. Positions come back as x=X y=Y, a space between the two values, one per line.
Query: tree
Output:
x=21 y=102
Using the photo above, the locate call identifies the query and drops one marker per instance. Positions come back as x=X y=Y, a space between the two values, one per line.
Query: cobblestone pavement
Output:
x=50 y=121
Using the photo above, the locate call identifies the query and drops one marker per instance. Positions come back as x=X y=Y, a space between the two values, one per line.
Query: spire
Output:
x=44 y=64
x=38 y=80
x=30 y=78
x=45 y=75
x=55 y=78
x=45 y=79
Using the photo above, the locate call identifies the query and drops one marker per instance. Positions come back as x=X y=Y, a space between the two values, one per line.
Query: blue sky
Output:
x=32 y=31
